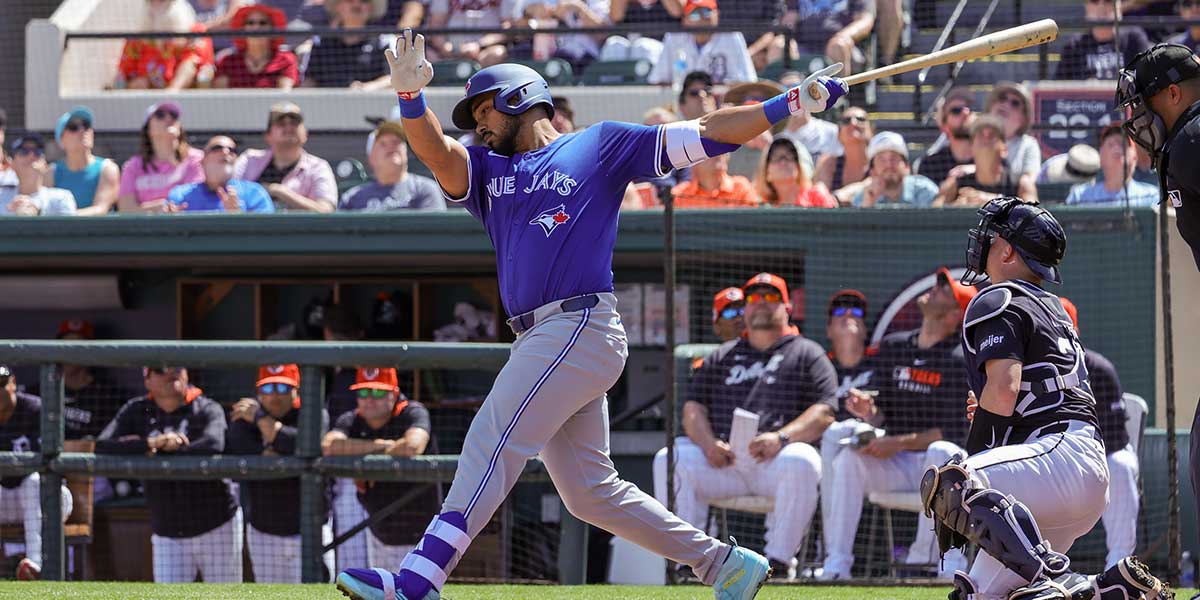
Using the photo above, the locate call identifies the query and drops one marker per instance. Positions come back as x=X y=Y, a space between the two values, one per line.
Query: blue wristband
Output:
x=413 y=107
x=776 y=109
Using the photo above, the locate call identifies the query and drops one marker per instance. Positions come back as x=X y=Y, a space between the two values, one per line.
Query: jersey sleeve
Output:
x=1000 y=337
x=476 y=176
x=822 y=380
x=124 y=424
x=701 y=386
x=419 y=415
x=206 y=432
x=631 y=151
x=344 y=423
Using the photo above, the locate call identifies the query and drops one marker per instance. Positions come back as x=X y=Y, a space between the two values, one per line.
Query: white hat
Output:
x=887 y=140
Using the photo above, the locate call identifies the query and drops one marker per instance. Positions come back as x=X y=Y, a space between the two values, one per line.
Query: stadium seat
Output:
x=886 y=502
x=806 y=63
x=349 y=172
x=617 y=72
x=453 y=72
x=555 y=71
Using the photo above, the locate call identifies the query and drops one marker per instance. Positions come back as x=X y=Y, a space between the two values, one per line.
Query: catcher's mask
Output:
x=1033 y=232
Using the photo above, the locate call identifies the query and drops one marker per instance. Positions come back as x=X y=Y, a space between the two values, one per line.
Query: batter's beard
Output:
x=504 y=142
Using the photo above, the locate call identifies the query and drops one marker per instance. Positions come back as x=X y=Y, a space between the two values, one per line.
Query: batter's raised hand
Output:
x=411 y=71
x=821 y=90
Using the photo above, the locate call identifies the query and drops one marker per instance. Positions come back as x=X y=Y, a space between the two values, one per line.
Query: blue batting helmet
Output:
x=518 y=89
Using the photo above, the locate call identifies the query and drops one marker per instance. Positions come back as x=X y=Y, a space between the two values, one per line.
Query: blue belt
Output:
x=524 y=321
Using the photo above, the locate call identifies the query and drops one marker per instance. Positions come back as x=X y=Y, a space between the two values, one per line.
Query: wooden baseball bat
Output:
x=999 y=42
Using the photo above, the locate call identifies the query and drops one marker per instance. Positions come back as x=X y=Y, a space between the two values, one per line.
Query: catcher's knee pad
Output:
x=964 y=587
x=999 y=524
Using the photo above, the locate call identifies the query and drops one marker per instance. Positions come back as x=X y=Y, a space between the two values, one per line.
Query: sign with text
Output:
x=1070 y=113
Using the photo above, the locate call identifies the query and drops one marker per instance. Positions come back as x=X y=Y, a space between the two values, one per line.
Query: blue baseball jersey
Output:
x=552 y=213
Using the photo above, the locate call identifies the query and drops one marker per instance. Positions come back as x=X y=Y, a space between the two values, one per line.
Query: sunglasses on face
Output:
x=958 y=110
x=220 y=148
x=78 y=125
x=26 y=150
x=757 y=297
x=848 y=119
x=853 y=311
x=257 y=23
x=700 y=14
x=732 y=312
x=272 y=388
x=163 y=114
x=1012 y=101
x=377 y=394
x=699 y=92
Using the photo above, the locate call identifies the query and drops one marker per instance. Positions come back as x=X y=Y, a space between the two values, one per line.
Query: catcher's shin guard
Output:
x=998 y=523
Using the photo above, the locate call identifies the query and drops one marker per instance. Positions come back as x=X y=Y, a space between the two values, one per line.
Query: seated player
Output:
x=20 y=497
x=729 y=306
x=196 y=525
x=386 y=422
x=787 y=380
x=266 y=425
x=1121 y=516
x=921 y=381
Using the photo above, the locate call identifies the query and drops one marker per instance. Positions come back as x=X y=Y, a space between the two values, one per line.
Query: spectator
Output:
x=164 y=160
x=216 y=15
x=768 y=46
x=652 y=189
x=196 y=525
x=989 y=176
x=711 y=186
x=8 y=177
x=722 y=55
x=784 y=177
x=20 y=497
x=1120 y=532
x=393 y=188
x=386 y=422
x=787 y=380
x=728 y=307
x=488 y=49
x=267 y=425
x=833 y=29
x=647 y=13
x=953 y=146
x=891 y=182
x=220 y=191
x=1012 y=103
x=353 y=60
x=696 y=97
x=578 y=49
x=412 y=14
x=31 y=197
x=854 y=132
x=818 y=136
x=1097 y=54
x=295 y=179
x=258 y=62
x=1079 y=164
x=92 y=180
x=744 y=161
x=920 y=402
x=91 y=398
x=564 y=116
x=166 y=63
x=1190 y=37
x=1116 y=186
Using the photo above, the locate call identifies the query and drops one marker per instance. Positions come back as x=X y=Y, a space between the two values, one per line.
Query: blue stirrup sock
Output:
x=425 y=567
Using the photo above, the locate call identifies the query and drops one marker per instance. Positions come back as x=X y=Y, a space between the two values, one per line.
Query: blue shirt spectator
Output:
x=1118 y=161
x=219 y=191
x=1095 y=194
x=889 y=179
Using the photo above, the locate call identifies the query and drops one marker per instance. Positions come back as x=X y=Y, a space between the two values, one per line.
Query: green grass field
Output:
x=149 y=591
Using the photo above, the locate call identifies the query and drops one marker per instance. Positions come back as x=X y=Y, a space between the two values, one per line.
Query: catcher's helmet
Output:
x=1032 y=231
x=518 y=88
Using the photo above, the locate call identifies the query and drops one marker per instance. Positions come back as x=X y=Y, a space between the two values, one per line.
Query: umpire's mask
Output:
x=1147 y=74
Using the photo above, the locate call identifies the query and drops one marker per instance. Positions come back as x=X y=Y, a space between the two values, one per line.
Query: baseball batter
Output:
x=549 y=203
x=1036 y=478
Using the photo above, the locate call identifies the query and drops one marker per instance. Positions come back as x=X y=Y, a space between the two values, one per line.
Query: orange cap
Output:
x=962 y=293
x=1071 y=311
x=78 y=327
x=694 y=4
x=376 y=378
x=726 y=297
x=770 y=280
x=289 y=374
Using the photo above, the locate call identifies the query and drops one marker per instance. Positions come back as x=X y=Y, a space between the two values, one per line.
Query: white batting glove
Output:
x=819 y=91
x=411 y=71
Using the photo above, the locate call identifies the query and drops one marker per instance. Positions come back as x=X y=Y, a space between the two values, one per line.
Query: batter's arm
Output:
x=999 y=394
x=811 y=423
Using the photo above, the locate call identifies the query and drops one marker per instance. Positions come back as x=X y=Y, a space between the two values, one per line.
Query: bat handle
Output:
x=814 y=90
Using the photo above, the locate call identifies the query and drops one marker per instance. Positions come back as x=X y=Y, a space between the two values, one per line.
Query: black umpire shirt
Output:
x=403 y=527
x=778 y=384
x=1110 y=407
x=922 y=388
x=178 y=509
x=1020 y=321
x=22 y=431
x=1183 y=178
x=273 y=504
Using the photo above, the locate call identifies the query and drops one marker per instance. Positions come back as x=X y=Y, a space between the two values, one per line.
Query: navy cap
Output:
x=27 y=137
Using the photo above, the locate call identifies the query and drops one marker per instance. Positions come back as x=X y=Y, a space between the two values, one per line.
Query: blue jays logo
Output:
x=550 y=219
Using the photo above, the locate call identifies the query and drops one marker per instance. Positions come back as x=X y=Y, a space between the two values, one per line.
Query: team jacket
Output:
x=273 y=505
x=922 y=388
x=1110 y=406
x=861 y=376
x=778 y=384
x=1021 y=321
x=178 y=509
x=22 y=432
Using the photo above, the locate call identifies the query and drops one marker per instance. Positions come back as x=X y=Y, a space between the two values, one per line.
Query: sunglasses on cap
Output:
x=842 y=311
x=163 y=114
x=77 y=125
x=732 y=312
x=275 y=388
x=375 y=393
x=848 y=119
x=757 y=297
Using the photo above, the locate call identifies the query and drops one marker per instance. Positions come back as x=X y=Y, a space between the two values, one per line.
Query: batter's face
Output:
x=376 y=409
x=765 y=314
x=497 y=130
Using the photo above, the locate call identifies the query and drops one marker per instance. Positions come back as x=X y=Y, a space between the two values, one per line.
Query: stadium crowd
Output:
x=980 y=149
